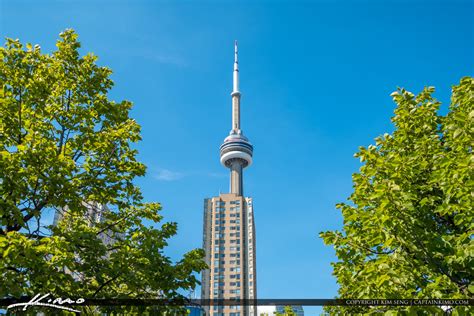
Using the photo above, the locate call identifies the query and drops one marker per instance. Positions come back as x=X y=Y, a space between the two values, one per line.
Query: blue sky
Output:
x=315 y=80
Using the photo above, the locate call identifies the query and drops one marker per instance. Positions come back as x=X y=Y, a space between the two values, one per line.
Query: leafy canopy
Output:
x=408 y=227
x=66 y=147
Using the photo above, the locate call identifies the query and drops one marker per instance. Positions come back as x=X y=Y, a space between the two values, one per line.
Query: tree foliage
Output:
x=288 y=311
x=64 y=144
x=408 y=227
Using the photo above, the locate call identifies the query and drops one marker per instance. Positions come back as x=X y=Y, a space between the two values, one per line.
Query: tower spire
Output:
x=236 y=93
x=236 y=69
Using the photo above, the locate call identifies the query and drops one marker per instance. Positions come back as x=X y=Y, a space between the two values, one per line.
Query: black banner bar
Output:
x=257 y=302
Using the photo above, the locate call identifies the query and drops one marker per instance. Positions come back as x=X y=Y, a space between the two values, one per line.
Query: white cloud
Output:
x=167 y=175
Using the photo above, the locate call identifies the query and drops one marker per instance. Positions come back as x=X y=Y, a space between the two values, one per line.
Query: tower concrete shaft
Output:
x=236 y=175
x=236 y=112
x=236 y=151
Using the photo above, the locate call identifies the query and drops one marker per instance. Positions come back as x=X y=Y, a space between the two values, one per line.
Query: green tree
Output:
x=64 y=144
x=408 y=227
x=288 y=311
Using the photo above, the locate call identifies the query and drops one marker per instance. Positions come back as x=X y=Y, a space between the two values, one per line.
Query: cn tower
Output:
x=236 y=151
x=229 y=226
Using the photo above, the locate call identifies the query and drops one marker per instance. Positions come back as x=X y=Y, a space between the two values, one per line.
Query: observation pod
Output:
x=236 y=147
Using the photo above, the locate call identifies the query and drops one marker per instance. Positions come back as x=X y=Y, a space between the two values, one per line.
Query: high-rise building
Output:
x=94 y=214
x=297 y=309
x=270 y=310
x=229 y=227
